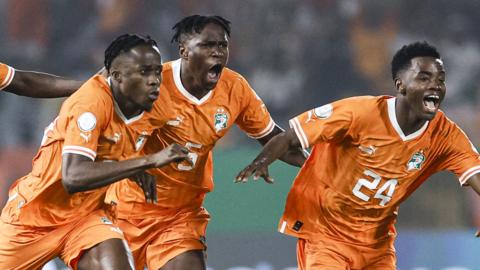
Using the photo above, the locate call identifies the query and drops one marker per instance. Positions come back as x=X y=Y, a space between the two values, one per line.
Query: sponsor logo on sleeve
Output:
x=86 y=121
x=324 y=111
x=86 y=136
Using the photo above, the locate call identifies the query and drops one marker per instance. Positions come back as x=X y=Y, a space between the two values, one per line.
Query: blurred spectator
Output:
x=32 y=34
x=372 y=33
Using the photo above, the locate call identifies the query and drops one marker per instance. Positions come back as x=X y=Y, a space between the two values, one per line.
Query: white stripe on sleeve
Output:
x=73 y=149
x=8 y=79
x=469 y=173
x=295 y=124
x=265 y=131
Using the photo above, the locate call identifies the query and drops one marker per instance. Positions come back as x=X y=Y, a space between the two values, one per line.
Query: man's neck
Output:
x=406 y=118
x=127 y=108
x=190 y=83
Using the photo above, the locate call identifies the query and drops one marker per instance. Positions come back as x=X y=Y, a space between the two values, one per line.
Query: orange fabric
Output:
x=39 y=198
x=329 y=254
x=198 y=125
x=362 y=167
x=22 y=247
x=6 y=75
x=155 y=241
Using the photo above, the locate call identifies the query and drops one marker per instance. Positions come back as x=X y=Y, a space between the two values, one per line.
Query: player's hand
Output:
x=477 y=234
x=148 y=183
x=172 y=153
x=257 y=168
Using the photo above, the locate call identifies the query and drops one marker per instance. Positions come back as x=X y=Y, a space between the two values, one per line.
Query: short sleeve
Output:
x=85 y=122
x=254 y=117
x=461 y=156
x=6 y=75
x=328 y=123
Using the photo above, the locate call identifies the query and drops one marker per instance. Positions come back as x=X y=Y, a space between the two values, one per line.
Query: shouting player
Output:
x=369 y=154
x=56 y=210
x=207 y=100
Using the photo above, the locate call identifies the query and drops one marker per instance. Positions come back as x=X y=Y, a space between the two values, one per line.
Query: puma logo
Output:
x=176 y=122
x=369 y=150
x=115 y=138
x=86 y=137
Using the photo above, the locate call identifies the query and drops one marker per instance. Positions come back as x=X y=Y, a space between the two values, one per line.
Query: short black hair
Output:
x=196 y=23
x=402 y=57
x=124 y=43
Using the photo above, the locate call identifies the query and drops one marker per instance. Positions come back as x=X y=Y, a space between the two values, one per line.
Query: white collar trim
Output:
x=119 y=112
x=178 y=82
x=393 y=119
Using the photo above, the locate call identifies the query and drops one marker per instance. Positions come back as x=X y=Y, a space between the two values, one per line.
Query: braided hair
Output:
x=402 y=57
x=195 y=24
x=124 y=43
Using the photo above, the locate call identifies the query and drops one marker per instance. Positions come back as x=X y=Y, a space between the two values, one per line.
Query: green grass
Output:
x=251 y=207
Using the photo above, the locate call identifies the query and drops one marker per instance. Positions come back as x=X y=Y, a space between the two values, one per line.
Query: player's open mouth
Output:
x=214 y=72
x=431 y=102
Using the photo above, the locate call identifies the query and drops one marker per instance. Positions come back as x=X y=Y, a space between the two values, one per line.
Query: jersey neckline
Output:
x=178 y=83
x=393 y=120
x=118 y=111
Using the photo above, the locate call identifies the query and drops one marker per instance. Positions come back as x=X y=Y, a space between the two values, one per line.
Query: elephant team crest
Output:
x=221 y=119
x=415 y=163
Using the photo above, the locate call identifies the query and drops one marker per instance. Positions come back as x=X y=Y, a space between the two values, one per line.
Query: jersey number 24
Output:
x=384 y=193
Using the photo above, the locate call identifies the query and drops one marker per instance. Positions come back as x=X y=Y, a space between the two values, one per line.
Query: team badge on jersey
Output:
x=86 y=121
x=415 y=163
x=324 y=111
x=221 y=119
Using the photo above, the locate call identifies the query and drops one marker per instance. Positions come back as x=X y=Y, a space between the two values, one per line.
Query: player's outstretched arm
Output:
x=41 y=85
x=80 y=173
x=294 y=156
x=275 y=148
x=474 y=183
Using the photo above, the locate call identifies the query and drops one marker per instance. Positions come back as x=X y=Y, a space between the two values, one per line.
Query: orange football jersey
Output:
x=6 y=75
x=89 y=124
x=363 y=166
x=197 y=124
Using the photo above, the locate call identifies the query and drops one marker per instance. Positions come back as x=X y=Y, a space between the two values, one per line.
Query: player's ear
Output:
x=183 y=51
x=400 y=87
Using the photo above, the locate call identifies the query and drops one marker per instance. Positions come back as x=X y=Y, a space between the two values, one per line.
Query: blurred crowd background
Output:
x=297 y=54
